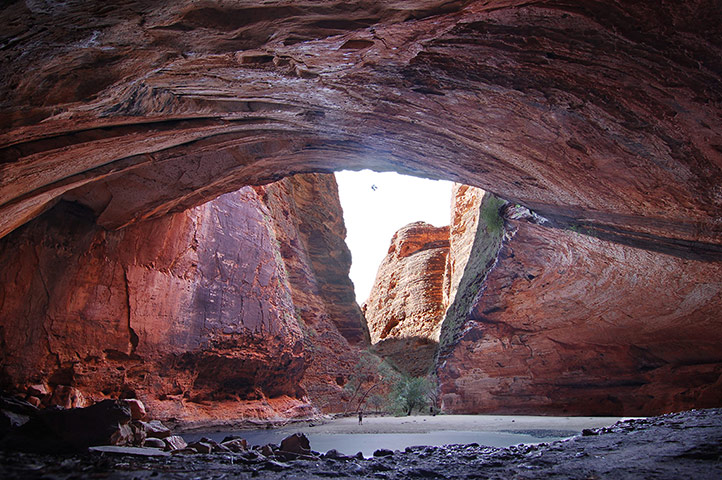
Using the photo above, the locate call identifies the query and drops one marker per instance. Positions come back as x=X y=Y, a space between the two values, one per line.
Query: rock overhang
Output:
x=595 y=114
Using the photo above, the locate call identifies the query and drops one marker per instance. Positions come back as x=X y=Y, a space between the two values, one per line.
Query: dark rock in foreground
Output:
x=682 y=445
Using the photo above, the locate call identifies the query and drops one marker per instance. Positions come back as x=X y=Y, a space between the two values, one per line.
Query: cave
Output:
x=170 y=228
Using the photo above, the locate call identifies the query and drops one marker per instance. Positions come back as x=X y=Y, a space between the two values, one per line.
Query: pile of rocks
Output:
x=24 y=427
x=121 y=423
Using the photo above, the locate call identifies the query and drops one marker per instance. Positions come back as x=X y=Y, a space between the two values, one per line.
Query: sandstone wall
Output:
x=310 y=229
x=599 y=112
x=570 y=324
x=188 y=309
x=405 y=307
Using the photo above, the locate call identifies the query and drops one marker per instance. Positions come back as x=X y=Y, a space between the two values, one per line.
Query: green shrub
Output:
x=490 y=214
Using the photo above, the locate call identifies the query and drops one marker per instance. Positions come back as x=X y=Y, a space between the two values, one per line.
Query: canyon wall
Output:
x=538 y=319
x=196 y=313
x=310 y=230
x=566 y=323
x=405 y=307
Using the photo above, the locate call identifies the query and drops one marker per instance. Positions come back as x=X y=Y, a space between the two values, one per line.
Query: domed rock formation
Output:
x=405 y=307
x=599 y=113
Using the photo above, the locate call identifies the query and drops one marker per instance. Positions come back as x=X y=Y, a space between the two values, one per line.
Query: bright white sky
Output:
x=372 y=216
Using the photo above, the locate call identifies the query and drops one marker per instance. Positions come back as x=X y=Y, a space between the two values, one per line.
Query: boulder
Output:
x=137 y=409
x=122 y=436
x=294 y=446
x=236 y=445
x=155 y=429
x=57 y=430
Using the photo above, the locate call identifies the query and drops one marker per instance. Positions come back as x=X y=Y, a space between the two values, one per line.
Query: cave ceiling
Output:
x=600 y=115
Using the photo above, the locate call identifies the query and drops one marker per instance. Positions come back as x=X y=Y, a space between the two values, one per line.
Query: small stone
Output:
x=40 y=390
x=333 y=453
x=267 y=450
x=173 y=442
x=122 y=436
x=154 y=443
x=275 y=466
x=139 y=433
x=587 y=432
x=201 y=447
x=184 y=451
x=236 y=445
x=383 y=452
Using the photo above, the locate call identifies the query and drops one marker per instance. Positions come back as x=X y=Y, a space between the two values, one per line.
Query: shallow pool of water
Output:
x=367 y=443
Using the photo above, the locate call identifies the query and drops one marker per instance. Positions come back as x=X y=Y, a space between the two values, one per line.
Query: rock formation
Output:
x=310 y=230
x=567 y=323
x=405 y=307
x=539 y=319
x=188 y=309
x=600 y=115
x=596 y=112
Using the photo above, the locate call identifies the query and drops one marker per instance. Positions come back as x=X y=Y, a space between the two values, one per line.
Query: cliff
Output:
x=310 y=230
x=539 y=319
x=566 y=323
x=405 y=308
x=195 y=313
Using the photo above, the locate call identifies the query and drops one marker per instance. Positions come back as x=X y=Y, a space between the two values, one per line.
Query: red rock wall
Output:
x=599 y=112
x=569 y=324
x=310 y=229
x=405 y=307
x=465 y=211
x=188 y=309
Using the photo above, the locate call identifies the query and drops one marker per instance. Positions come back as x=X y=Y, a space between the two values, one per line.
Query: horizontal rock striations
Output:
x=195 y=312
x=599 y=113
x=570 y=324
x=405 y=307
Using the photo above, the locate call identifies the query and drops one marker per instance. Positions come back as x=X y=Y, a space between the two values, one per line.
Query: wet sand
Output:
x=477 y=423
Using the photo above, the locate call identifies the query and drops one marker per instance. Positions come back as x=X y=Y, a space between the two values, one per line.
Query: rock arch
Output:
x=593 y=113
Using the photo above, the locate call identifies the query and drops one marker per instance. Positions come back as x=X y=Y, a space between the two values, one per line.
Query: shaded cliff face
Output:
x=567 y=323
x=405 y=307
x=194 y=312
x=310 y=230
x=596 y=112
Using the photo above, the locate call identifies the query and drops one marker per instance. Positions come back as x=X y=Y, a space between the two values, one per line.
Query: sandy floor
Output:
x=424 y=424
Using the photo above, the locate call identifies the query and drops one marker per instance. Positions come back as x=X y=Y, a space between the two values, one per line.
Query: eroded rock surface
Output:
x=405 y=307
x=568 y=323
x=311 y=233
x=601 y=113
x=194 y=312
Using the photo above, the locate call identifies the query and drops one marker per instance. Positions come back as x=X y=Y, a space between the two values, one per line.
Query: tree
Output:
x=360 y=383
x=409 y=393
